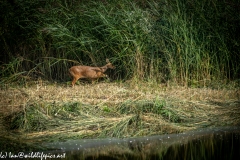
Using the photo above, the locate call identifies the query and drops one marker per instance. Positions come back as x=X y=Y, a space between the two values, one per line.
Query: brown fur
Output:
x=89 y=72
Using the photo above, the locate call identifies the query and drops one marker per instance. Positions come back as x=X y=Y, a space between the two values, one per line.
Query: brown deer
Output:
x=89 y=72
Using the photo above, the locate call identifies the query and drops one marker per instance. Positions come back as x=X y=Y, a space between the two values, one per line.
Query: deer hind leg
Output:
x=74 y=76
x=74 y=80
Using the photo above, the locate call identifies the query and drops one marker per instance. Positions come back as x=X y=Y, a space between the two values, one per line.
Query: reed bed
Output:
x=186 y=42
x=177 y=67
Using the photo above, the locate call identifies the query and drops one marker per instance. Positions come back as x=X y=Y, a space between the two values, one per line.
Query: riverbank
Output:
x=46 y=112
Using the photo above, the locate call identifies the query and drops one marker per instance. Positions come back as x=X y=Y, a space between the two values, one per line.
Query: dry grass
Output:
x=112 y=109
x=111 y=93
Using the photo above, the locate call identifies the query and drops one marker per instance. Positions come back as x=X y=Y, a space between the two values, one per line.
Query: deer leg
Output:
x=74 y=80
x=106 y=76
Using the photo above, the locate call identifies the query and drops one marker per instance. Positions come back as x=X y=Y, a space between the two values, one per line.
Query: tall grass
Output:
x=187 y=42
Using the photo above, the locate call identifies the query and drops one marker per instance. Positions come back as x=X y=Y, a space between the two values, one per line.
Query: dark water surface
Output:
x=205 y=144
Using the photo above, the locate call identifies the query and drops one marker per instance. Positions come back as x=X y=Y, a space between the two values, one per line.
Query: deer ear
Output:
x=107 y=60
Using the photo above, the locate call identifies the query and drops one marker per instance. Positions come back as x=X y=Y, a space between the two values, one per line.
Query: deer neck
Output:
x=104 y=68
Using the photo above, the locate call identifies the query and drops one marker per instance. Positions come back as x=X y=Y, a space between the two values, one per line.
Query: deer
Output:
x=89 y=72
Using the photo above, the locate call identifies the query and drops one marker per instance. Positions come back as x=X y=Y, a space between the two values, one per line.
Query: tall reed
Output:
x=187 y=42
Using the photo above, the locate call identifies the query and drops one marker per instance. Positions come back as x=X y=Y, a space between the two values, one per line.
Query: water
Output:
x=206 y=144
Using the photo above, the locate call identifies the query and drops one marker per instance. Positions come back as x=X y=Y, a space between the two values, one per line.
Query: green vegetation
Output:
x=192 y=43
x=177 y=68
x=43 y=112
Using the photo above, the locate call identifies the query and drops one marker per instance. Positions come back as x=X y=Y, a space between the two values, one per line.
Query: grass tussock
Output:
x=52 y=112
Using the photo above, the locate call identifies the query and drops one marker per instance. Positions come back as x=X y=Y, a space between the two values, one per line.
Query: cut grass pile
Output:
x=46 y=112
